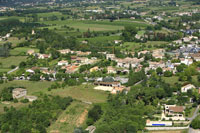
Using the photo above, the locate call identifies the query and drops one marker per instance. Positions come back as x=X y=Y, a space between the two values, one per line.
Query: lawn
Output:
x=82 y=92
x=174 y=79
x=21 y=51
x=4 y=70
x=12 y=60
x=74 y=116
x=32 y=87
x=171 y=80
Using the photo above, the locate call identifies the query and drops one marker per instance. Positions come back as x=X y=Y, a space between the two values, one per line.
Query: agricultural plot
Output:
x=101 y=39
x=21 y=51
x=32 y=87
x=81 y=25
x=82 y=92
x=7 y=62
x=93 y=25
x=131 y=46
x=13 y=40
x=74 y=116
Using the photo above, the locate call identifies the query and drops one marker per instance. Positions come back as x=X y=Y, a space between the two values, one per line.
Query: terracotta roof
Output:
x=177 y=109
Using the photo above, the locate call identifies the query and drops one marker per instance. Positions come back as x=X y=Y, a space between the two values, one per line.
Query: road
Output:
x=196 y=112
x=13 y=70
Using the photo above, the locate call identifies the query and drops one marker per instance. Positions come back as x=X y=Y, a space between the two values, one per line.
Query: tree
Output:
x=159 y=71
x=180 y=68
x=168 y=73
x=22 y=64
x=198 y=77
x=196 y=123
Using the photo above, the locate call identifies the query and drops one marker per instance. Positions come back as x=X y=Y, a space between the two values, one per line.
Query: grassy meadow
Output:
x=21 y=51
x=82 y=92
x=7 y=62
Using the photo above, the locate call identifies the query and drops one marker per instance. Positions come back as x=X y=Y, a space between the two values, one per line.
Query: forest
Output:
x=36 y=117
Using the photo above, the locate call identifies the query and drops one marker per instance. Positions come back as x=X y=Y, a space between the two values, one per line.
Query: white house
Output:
x=187 y=87
x=63 y=63
x=186 y=61
x=44 y=56
x=30 y=71
x=110 y=56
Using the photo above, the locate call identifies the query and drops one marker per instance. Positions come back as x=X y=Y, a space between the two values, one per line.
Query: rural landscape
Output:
x=99 y=66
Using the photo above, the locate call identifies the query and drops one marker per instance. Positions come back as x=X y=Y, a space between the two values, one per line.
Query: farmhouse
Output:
x=108 y=81
x=154 y=65
x=158 y=53
x=187 y=87
x=174 y=112
x=111 y=70
x=110 y=56
x=96 y=68
x=109 y=84
x=19 y=92
x=158 y=123
x=63 y=63
x=127 y=62
x=186 y=61
x=196 y=56
x=64 y=51
x=31 y=52
x=43 y=56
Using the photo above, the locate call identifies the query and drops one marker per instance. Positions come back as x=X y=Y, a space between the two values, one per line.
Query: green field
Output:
x=84 y=25
x=101 y=39
x=32 y=87
x=12 y=60
x=21 y=51
x=9 y=104
x=171 y=80
x=74 y=116
x=136 y=46
x=82 y=92
x=13 y=40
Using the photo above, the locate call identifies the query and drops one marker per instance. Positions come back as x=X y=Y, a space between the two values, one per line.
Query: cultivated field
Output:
x=7 y=62
x=74 y=116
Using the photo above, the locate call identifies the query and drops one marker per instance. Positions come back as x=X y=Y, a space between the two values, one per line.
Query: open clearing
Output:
x=7 y=62
x=13 y=40
x=74 y=116
x=82 y=92
x=84 y=25
x=21 y=51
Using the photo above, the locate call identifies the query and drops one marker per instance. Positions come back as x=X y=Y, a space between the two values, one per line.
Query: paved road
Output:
x=196 y=112
x=193 y=131
x=13 y=70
